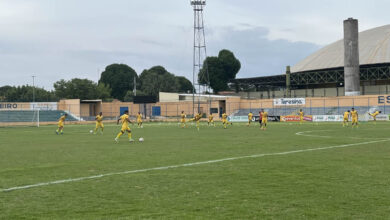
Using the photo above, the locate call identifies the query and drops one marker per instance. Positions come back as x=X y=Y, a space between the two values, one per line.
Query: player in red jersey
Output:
x=260 y=118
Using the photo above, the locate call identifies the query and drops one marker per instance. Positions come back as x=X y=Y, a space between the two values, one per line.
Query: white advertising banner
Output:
x=238 y=118
x=381 y=117
x=327 y=118
x=43 y=105
x=289 y=101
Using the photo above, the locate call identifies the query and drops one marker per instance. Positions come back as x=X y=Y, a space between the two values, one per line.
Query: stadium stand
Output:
x=28 y=116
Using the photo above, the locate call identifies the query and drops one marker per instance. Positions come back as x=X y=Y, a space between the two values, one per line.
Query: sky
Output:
x=64 y=39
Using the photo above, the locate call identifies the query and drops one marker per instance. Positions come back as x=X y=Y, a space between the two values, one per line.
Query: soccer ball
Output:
x=90 y=131
x=141 y=139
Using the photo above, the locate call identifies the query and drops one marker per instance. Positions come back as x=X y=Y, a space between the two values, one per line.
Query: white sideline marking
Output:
x=303 y=133
x=183 y=165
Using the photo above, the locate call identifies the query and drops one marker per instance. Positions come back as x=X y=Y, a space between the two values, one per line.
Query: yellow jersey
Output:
x=250 y=116
x=301 y=114
x=99 y=118
x=124 y=119
x=198 y=117
x=224 y=116
x=354 y=114
x=183 y=116
x=265 y=115
x=346 y=114
x=62 y=118
x=211 y=117
x=139 y=117
x=375 y=114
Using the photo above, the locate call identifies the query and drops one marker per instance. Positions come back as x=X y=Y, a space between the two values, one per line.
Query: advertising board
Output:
x=295 y=118
x=289 y=101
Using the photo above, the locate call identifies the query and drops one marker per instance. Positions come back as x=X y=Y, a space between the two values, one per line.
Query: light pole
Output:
x=135 y=86
x=33 y=77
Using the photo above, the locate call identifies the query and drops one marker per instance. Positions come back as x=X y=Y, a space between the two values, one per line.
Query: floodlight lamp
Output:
x=198 y=2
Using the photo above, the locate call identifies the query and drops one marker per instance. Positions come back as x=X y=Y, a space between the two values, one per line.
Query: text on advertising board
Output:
x=8 y=105
x=290 y=101
x=295 y=118
x=383 y=99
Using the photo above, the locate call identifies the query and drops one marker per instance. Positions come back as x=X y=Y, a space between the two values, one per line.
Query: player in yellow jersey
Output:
x=211 y=120
x=139 y=120
x=99 y=123
x=125 y=120
x=225 y=122
x=375 y=114
x=197 y=120
x=61 y=124
x=250 y=116
x=301 y=114
x=345 y=118
x=264 y=120
x=183 y=119
x=355 y=117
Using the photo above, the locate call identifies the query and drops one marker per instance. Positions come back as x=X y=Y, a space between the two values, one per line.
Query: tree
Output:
x=158 y=79
x=185 y=86
x=221 y=69
x=25 y=94
x=103 y=91
x=81 y=89
x=120 y=78
x=4 y=91
x=218 y=80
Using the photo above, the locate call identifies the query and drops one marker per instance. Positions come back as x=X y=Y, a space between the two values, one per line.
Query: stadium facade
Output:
x=321 y=74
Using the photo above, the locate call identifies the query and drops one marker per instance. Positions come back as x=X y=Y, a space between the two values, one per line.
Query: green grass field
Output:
x=326 y=172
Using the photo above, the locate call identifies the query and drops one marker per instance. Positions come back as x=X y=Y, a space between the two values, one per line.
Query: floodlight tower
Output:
x=199 y=54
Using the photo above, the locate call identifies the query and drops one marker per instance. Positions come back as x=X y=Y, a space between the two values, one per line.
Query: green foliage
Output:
x=81 y=89
x=218 y=80
x=221 y=69
x=158 y=79
x=103 y=91
x=120 y=78
x=25 y=94
x=184 y=85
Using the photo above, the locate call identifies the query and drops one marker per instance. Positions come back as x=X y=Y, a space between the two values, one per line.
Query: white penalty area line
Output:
x=183 y=165
x=305 y=133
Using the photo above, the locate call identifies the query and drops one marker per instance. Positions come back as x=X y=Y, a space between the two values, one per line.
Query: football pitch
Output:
x=289 y=171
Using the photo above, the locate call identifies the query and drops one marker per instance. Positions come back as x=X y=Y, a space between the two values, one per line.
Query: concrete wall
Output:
x=372 y=90
x=70 y=105
x=315 y=102
x=230 y=104
x=168 y=97
x=84 y=109
x=319 y=92
x=113 y=108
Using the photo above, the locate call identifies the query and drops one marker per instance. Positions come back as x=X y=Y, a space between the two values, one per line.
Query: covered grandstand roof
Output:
x=374 y=47
x=325 y=68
